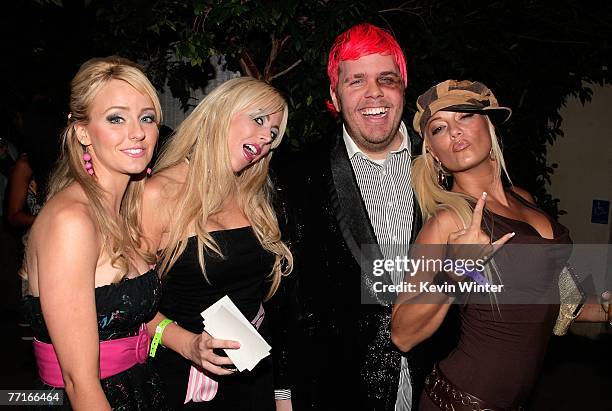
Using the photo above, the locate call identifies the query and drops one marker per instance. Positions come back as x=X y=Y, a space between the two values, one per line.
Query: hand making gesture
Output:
x=472 y=242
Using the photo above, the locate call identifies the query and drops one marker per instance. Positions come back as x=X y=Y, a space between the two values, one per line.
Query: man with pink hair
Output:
x=367 y=75
x=357 y=207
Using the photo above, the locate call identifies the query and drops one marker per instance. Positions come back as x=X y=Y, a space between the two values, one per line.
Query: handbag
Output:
x=572 y=298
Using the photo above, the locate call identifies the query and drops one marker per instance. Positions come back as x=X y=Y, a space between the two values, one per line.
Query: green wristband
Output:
x=157 y=338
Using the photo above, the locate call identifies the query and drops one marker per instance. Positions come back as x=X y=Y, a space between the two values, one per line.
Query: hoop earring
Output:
x=491 y=154
x=442 y=175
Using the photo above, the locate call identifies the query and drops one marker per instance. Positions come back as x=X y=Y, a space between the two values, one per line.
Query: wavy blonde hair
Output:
x=92 y=76
x=202 y=140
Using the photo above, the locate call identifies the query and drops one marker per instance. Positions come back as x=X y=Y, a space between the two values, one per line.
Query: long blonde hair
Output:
x=85 y=86
x=202 y=140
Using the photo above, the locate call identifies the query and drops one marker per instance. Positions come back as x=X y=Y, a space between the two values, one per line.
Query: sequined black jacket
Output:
x=335 y=340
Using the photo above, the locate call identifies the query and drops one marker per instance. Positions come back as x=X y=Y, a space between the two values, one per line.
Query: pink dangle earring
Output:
x=87 y=160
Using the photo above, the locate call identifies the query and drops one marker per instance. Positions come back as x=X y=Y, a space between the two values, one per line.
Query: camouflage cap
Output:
x=453 y=95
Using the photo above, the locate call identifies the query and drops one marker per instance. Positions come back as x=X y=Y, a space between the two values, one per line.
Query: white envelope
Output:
x=224 y=320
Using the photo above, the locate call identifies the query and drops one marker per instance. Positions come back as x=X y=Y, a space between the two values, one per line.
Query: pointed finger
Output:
x=477 y=215
x=503 y=240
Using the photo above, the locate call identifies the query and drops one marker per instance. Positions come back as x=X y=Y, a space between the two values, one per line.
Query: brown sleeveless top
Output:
x=501 y=348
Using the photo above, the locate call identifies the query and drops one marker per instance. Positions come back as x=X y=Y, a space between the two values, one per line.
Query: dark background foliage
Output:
x=532 y=54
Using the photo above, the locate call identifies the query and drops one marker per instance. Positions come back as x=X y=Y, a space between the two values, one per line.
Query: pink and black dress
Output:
x=128 y=379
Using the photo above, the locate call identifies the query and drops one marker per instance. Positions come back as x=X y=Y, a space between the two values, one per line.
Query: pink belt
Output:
x=115 y=356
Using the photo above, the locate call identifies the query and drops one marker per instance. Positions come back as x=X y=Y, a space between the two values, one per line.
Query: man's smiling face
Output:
x=370 y=96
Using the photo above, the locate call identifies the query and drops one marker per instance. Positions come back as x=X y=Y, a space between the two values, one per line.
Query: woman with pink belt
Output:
x=91 y=292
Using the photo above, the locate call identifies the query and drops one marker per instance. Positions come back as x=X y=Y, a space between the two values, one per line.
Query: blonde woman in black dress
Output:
x=207 y=213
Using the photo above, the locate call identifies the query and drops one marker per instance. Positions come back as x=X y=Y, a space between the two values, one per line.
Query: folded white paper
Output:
x=224 y=320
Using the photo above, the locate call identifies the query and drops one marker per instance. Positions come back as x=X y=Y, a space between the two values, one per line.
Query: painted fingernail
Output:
x=512 y=234
x=484 y=194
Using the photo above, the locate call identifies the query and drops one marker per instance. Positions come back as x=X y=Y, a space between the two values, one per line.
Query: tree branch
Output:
x=285 y=71
x=277 y=46
x=248 y=65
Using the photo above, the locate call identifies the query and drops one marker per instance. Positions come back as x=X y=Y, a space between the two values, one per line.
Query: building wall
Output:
x=584 y=156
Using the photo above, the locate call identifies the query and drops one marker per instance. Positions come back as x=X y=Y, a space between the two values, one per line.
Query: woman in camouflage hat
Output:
x=503 y=341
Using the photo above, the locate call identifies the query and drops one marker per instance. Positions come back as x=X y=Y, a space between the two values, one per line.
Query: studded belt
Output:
x=446 y=396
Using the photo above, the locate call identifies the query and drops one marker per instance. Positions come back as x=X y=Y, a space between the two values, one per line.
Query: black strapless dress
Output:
x=121 y=309
x=241 y=275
